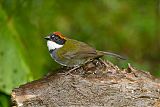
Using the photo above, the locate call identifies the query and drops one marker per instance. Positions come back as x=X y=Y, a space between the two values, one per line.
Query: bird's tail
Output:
x=112 y=54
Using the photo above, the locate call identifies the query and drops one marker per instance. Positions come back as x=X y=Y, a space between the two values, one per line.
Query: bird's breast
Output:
x=53 y=53
x=56 y=57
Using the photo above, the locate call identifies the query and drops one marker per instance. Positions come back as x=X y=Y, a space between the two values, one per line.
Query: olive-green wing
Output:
x=78 y=50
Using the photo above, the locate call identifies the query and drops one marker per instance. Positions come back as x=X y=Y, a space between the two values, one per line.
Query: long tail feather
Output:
x=113 y=54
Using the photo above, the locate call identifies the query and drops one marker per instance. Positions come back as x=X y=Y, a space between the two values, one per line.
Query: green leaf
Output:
x=13 y=67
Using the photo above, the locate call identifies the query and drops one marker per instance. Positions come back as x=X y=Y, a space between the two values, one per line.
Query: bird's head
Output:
x=55 y=40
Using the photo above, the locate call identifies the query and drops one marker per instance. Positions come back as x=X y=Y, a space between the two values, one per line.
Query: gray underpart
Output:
x=66 y=61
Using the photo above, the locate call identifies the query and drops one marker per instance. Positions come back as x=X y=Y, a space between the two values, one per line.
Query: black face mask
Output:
x=57 y=39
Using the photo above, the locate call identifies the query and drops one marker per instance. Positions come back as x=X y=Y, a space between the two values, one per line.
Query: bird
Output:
x=71 y=53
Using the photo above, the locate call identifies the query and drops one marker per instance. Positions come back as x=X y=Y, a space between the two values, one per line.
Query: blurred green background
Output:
x=127 y=27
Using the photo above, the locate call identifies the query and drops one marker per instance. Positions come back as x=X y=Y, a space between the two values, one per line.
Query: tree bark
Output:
x=97 y=83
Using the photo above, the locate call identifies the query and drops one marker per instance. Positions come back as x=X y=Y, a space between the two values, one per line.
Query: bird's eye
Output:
x=52 y=36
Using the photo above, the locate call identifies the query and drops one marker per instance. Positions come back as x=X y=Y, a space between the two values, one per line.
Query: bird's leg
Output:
x=78 y=66
x=88 y=61
x=75 y=67
x=103 y=62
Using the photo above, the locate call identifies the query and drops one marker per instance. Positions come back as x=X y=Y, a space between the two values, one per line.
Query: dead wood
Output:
x=97 y=83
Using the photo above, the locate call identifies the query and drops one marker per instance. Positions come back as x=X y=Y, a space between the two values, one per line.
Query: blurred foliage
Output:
x=5 y=100
x=127 y=27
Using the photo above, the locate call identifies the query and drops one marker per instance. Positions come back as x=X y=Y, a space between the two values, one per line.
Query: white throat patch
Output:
x=52 y=45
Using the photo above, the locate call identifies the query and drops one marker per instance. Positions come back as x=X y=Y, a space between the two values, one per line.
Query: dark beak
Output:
x=47 y=38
